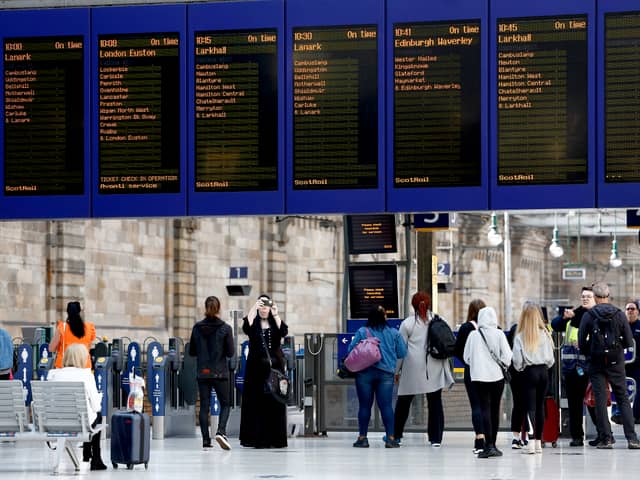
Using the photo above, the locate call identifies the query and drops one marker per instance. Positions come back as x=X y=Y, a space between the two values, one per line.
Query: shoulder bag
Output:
x=364 y=354
x=277 y=383
x=503 y=367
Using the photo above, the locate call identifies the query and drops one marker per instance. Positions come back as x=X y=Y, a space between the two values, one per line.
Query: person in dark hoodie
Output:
x=212 y=343
x=574 y=366
x=602 y=319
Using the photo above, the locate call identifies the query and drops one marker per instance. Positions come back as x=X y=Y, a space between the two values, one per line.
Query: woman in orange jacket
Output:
x=73 y=330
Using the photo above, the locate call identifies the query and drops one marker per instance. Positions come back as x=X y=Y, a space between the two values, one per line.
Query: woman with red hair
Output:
x=417 y=375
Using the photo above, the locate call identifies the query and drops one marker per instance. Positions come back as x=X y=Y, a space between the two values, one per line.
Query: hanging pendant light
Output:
x=493 y=235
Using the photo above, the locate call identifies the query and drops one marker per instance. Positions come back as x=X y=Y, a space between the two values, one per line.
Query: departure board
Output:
x=236 y=111
x=335 y=107
x=542 y=100
x=371 y=233
x=139 y=113
x=622 y=97
x=437 y=90
x=44 y=116
x=371 y=285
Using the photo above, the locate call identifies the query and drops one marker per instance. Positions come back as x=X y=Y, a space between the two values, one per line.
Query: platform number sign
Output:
x=238 y=272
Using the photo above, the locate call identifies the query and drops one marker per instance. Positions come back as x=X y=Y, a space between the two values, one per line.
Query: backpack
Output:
x=364 y=354
x=605 y=345
x=440 y=339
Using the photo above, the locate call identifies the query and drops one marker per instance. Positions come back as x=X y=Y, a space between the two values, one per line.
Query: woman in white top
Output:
x=417 y=376
x=533 y=356
x=487 y=376
x=74 y=361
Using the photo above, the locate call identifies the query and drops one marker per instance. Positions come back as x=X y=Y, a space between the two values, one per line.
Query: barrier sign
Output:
x=25 y=370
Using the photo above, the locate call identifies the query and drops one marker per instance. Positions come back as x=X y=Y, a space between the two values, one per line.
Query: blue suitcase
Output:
x=130 y=439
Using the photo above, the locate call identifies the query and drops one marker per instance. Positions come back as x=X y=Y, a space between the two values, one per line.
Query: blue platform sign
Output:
x=154 y=350
x=25 y=369
x=157 y=386
x=430 y=222
x=238 y=272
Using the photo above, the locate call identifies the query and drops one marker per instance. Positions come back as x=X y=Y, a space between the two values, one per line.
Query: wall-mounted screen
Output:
x=139 y=113
x=335 y=107
x=236 y=111
x=371 y=233
x=542 y=100
x=44 y=99
x=371 y=285
x=437 y=98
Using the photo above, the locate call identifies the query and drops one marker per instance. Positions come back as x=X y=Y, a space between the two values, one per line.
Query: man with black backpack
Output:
x=604 y=334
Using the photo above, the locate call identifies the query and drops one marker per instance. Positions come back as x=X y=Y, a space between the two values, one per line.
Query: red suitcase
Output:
x=551 y=429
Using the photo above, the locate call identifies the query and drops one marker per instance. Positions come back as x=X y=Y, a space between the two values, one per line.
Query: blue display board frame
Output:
x=225 y=16
x=139 y=20
x=302 y=13
x=610 y=195
x=513 y=197
x=438 y=198
x=46 y=23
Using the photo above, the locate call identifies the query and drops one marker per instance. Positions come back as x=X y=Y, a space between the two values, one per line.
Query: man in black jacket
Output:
x=606 y=320
x=212 y=343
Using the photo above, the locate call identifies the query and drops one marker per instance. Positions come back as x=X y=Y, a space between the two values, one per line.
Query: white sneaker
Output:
x=528 y=449
x=538 y=447
x=223 y=442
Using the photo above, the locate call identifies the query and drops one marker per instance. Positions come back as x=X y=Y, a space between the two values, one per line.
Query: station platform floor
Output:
x=333 y=457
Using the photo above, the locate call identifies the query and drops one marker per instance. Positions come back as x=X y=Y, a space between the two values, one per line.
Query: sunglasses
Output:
x=631 y=308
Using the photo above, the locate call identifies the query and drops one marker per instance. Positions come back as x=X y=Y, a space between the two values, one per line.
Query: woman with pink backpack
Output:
x=377 y=379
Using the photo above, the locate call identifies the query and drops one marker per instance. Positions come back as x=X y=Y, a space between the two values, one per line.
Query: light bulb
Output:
x=494 y=237
x=555 y=249
x=614 y=260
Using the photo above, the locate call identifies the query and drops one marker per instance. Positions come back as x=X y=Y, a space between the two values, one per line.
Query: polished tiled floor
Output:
x=333 y=457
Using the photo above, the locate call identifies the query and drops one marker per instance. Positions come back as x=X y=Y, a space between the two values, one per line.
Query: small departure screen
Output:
x=371 y=285
x=542 y=100
x=139 y=113
x=335 y=107
x=437 y=88
x=371 y=233
x=44 y=116
x=236 y=111
x=622 y=97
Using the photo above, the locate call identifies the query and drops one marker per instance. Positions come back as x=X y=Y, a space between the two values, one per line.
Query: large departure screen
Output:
x=371 y=285
x=437 y=89
x=44 y=116
x=139 y=113
x=622 y=97
x=236 y=111
x=335 y=107
x=542 y=100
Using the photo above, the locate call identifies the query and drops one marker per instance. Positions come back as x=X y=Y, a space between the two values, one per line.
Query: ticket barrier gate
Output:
x=103 y=373
x=172 y=414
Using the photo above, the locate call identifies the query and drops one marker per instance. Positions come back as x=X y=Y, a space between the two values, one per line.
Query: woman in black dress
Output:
x=263 y=420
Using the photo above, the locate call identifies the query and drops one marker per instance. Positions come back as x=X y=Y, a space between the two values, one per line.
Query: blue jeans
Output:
x=369 y=382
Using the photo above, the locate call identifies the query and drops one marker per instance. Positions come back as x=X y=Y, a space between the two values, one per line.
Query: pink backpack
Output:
x=364 y=354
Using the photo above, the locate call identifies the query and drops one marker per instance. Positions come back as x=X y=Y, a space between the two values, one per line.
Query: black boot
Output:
x=86 y=451
x=96 y=459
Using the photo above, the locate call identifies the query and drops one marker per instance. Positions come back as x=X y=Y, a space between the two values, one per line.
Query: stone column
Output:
x=66 y=261
x=184 y=277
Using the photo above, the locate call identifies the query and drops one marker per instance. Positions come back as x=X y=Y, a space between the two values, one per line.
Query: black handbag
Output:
x=277 y=383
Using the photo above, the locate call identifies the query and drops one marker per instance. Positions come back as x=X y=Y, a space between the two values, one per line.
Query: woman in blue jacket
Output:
x=378 y=378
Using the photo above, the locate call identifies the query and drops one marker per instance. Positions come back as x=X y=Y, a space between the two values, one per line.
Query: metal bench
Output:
x=60 y=417
x=14 y=421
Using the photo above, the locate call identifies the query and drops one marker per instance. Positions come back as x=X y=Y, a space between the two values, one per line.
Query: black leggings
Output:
x=489 y=397
x=435 y=422
x=534 y=385
x=476 y=413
